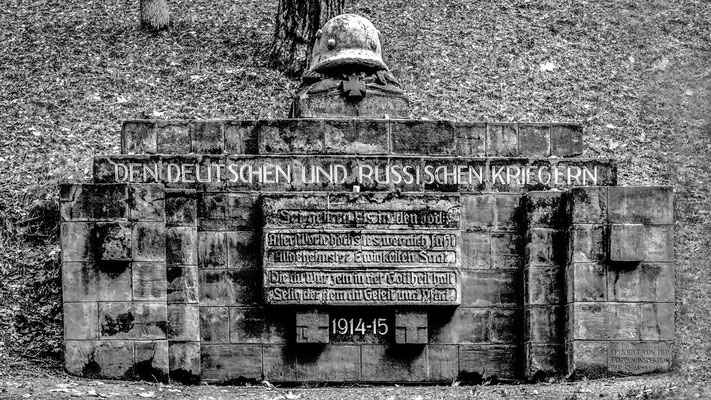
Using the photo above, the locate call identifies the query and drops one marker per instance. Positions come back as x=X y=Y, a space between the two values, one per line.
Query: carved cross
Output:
x=353 y=87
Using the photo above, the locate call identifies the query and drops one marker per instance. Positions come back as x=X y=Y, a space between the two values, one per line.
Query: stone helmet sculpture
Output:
x=347 y=40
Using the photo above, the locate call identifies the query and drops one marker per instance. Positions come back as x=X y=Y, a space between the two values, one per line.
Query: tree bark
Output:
x=297 y=22
x=154 y=14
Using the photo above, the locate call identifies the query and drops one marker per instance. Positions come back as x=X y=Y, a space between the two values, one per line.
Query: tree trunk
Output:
x=297 y=22
x=154 y=14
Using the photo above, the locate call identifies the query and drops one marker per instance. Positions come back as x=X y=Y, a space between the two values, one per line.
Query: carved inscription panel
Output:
x=639 y=358
x=362 y=250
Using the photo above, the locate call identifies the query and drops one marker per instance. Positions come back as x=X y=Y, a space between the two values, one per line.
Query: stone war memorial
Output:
x=350 y=244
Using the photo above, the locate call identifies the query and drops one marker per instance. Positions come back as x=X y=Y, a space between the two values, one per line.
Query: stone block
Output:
x=222 y=211
x=422 y=137
x=333 y=363
x=184 y=362
x=182 y=285
x=81 y=321
x=227 y=363
x=279 y=363
x=149 y=281
x=255 y=325
x=627 y=243
x=291 y=136
x=587 y=205
x=641 y=205
x=470 y=139
x=544 y=210
x=462 y=325
x=214 y=324
x=173 y=137
x=183 y=322
x=476 y=250
x=137 y=320
x=148 y=241
x=566 y=140
x=544 y=324
x=657 y=321
x=243 y=250
x=587 y=243
x=138 y=137
x=505 y=251
x=356 y=136
x=634 y=358
x=586 y=358
x=410 y=327
x=604 y=321
x=113 y=241
x=89 y=282
x=92 y=202
x=658 y=243
x=239 y=137
x=505 y=326
x=208 y=137
x=180 y=207
x=543 y=285
x=539 y=250
x=651 y=282
x=181 y=243
x=312 y=327
x=147 y=202
x=229 y=287
x=112 y=359
x=544 y=360
x=212 y=250
x=501 y=140
x=76 y=240
x=383 y=363
x=488 y=361
x=491 y=288
x=442 y=363
x=534 y=139
x=586 y=282
x=151 y=360
x=490 y=211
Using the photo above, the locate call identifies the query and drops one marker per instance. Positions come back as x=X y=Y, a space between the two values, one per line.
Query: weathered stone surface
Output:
x=604 y=321
x=491 y=288
x=544 y=324
x=506 y=251
x=476 y=250
x=470 y=139
x=422 y=137
x=231 y=362
x=242 y=250
x=544 y=360
x=382 y=363
x=92 y=202
x=180 y=207
x=132 y=320
x=489 y=211
x=146 y=202
x=207 y=137
x=181 y=244
x=312 y=327
x=505 y=326
x=214 y=324
x=543 y=247
x=657 y=321
x=182 y=285
x=543 y=285
x=81 y=321
x=113 y=359
x=411 y=327
x=587 y=243
x=76 y=241
x=89 y=282
x=299 y=136
x=184 y=362
x=566 y=140
x=627 y=243
x=113 y=241
x=183 y=322
x=587 y=205
x=212 y=250
x=256 y=325
x=586 y=358
x=534 y=140
x=227 y=211
x=586 y=282
x=148 y=241
x=356 y=137
x=641 y=205
x=442 y=363
x=173 y=137
x=279 y=363
x=138 y=137
x=335 y=363
x=544 y=210
x=500 y=361
x=240 y=137
x=229 y=287
x=149 y=281
x=501 y=140
x=658 y=243
x=151 y=360
x=463 y=325
x=652 y=282
x=633 y=358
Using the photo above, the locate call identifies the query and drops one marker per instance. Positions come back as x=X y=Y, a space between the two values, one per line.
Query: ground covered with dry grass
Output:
x=637 y=74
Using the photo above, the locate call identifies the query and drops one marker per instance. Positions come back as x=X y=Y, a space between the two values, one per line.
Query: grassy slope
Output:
x=637 y=74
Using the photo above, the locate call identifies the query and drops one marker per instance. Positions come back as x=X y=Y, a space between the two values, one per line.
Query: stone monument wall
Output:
x=361 y=250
